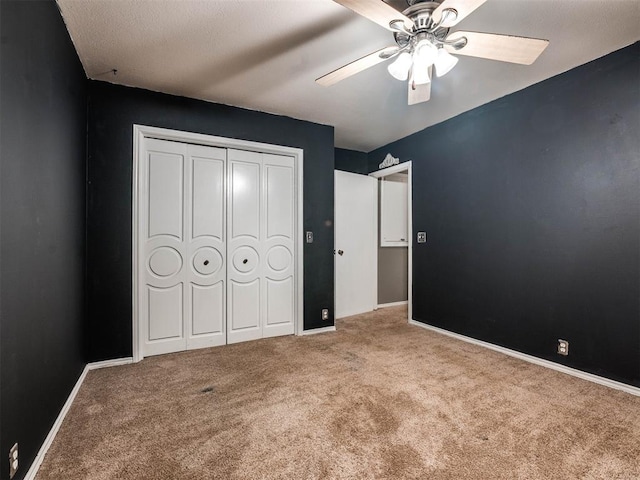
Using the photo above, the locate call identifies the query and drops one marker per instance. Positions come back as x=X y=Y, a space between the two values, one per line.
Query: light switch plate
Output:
x=422 y=237
x=309 y=237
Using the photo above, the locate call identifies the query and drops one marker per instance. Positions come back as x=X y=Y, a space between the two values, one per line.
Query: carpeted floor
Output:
x=377 y=399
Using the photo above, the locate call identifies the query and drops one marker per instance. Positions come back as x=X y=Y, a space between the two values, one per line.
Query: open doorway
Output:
x=394 y=237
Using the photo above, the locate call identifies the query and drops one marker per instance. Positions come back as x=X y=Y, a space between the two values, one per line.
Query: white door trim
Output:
x=403 y=167
x=140 y=132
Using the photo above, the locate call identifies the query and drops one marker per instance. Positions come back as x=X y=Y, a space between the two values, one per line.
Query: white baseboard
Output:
x=393 y=304
x=313 y=331
x=110 y=363
x=538 y=361
x=35 y=466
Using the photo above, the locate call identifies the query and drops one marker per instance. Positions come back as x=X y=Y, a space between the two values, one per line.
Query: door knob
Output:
x=340 y=252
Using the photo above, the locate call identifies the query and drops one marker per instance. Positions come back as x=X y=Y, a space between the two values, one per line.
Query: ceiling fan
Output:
x=424 y=42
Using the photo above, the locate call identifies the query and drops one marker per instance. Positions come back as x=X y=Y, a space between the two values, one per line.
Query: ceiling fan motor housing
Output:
x=421 y=13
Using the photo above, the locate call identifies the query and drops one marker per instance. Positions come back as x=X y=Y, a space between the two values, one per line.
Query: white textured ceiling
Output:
x=265 y=55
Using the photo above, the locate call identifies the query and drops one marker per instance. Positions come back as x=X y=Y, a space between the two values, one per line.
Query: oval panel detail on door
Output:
x=279 y=258
x=207 y=261
x=165 y=261
x=245 y=259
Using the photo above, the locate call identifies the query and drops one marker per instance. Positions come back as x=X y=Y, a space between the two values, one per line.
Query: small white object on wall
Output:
x=389 y=161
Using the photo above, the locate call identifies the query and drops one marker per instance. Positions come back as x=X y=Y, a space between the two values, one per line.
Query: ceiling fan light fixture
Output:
x=425 y=53
x=420 y=74
x=399 y=69
x=444 y=62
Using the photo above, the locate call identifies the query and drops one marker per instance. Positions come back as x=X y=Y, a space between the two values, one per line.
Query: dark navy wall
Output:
x=113 y=110
x=532 y=208
x=351 y=161
x=42 y=218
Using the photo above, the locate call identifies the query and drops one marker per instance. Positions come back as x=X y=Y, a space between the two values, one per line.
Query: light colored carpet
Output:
x=377 y=399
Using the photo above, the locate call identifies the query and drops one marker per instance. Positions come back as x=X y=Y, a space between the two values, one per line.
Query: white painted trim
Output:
x=393 y=304
x=110 y=363
x=403 y=167
x=140 y=132
x=313 y=331
x=138 y=145
x=376 y=230
x=535 y=360
x=300 y=232
x=35 y=465
x=410 y=247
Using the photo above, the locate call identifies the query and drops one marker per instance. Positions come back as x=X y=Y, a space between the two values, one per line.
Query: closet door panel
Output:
x=163 y=253
x=165 y=311
x=244 y=246
x=208 y=314
x=216 y=250
x=208 y=196
x=279 y=259
x=165 y=187
x=206 y=270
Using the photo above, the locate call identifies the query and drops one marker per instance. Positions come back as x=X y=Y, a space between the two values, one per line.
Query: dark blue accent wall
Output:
x=42 y=223
x=531 y=204
x=113 y=110
x=351 y=161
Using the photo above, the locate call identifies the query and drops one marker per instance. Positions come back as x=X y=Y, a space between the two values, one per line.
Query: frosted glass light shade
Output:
x=400 y=68
x=444 y=62
x=420 y=74
x=426 y=53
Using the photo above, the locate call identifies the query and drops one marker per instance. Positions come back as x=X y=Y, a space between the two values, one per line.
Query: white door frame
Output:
x=403 y=167
x=140 y=132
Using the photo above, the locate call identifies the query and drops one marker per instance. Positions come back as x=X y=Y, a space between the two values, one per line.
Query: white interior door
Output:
x=244 y=320
x=278 y=216
x=182 y=251
x=261 y=219
x=355 y=243
x=206 y=269
x=164 y=253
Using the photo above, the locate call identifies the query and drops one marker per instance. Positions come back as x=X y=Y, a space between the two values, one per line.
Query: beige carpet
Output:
x=377 y=399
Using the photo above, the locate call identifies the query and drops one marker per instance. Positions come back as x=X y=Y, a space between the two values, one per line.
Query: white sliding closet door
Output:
x=216 y=251
x=182 y=252
x=206 y=272
x=260 y=246
x=278 y=243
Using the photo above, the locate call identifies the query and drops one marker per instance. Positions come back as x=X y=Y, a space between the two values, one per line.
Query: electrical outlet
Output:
x=325 y=314
x=13 y=460
x=563 y=347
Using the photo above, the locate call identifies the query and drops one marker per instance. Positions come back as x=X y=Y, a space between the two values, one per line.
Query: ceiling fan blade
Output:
x=461 y=7
x=504 y=48
x=377 y=11
x=357 y=66
x=419 y=93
